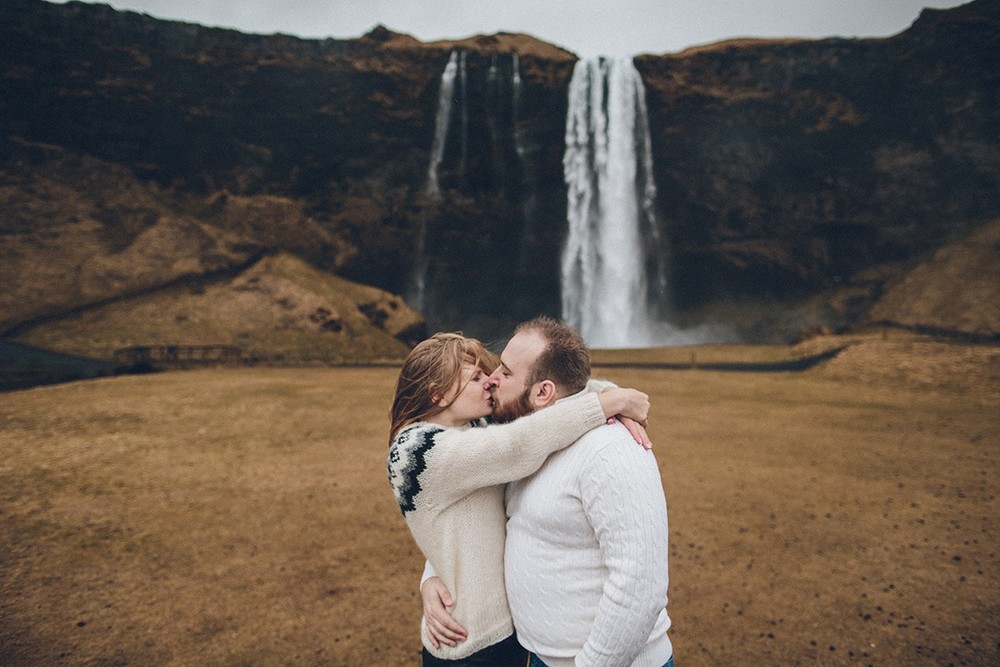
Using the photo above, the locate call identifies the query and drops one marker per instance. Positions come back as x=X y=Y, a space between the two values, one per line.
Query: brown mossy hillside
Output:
x=957 y=288
x=76 y=230
x=280 y=310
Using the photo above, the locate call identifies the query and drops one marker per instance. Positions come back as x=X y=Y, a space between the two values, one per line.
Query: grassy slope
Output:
x=279 y=309
x=841 y=516
x=958 y=288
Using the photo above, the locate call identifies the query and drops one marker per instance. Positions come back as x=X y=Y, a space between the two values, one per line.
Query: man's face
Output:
x=508 y=384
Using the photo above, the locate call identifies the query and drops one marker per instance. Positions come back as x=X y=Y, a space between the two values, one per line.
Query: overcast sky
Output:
x=585 y=27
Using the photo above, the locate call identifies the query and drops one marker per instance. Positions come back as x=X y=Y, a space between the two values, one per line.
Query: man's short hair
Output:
x=565 y=359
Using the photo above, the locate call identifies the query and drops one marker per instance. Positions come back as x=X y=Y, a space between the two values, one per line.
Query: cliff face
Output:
x=136 y=152
x=793 y=166
x=343 y=129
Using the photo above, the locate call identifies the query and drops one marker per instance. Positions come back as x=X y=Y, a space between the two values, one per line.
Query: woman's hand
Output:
x=637 y=430
x=630 y=403
x=441 y=627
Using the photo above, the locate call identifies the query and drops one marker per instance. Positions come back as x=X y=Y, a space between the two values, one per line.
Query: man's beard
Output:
x=507 y=412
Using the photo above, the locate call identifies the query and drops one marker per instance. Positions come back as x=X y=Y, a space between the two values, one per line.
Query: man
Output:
x=586 y=552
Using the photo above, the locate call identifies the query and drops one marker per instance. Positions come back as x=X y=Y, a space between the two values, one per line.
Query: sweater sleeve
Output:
x=623 y=499
x=597 y=386
x=429 y=572
x=459 y=461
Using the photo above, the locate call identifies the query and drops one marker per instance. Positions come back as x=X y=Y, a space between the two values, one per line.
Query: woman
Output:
x=447 y=470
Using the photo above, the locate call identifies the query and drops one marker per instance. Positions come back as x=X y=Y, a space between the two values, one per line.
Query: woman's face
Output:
x=469 y=398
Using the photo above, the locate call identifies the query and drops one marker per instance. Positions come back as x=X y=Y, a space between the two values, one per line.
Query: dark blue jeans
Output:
x=535 y=662
x=507 y=653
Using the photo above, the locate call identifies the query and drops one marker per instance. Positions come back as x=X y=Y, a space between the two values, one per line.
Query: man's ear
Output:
x=543 y=394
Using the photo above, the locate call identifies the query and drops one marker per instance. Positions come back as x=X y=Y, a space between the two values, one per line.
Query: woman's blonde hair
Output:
x=431 y=369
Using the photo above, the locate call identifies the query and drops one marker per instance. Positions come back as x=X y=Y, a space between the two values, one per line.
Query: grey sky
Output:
x=586 y=27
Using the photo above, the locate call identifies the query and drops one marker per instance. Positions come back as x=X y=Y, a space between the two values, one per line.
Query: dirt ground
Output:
x=846 y=515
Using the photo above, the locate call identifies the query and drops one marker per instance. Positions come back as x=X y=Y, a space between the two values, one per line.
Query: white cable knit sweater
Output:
x=448 y=483
x=586 y=557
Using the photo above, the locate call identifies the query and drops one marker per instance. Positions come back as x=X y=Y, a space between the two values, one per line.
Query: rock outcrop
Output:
x=945 y=292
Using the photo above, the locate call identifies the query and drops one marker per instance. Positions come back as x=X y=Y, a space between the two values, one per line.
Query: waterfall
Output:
x=492 y=97
x=610 y=206
x=515 y=84
x=416 y=293
x=463 y=110
x=441 y=121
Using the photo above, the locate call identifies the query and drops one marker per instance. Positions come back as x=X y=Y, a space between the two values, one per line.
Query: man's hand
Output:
x=441 y=627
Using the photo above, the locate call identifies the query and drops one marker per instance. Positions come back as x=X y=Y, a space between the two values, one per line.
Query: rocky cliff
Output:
x=787 y=167
x=797 y=180
x=262 y=143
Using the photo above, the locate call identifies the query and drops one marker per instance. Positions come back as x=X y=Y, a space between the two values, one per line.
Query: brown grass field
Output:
x=846 y=515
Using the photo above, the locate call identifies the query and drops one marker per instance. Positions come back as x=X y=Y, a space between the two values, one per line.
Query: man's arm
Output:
x=623 y=498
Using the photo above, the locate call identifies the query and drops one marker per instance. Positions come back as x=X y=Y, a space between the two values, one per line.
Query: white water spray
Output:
x=611 y=202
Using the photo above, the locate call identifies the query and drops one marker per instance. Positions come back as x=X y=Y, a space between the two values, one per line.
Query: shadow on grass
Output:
x=783 y=365
x=23 y=366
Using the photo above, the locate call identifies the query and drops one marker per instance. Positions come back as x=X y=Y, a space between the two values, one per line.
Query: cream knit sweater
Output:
x=448 y=483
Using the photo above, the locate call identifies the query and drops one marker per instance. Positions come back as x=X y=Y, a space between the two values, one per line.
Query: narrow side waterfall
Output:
x=492 y=95
x=442 y=120
x=416 y=293
x=515 y=103
x=527 y=164
x=463 y=110
x=610 y=206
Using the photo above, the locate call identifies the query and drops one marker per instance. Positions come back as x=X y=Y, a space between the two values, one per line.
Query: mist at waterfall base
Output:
x=615 y=261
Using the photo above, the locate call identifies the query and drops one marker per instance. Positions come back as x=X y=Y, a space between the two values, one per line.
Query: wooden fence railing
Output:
x=158 y=356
